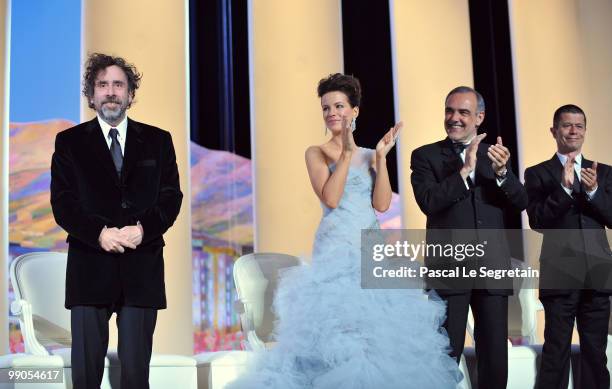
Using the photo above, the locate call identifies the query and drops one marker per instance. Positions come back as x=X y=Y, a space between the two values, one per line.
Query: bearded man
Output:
x=115 y=190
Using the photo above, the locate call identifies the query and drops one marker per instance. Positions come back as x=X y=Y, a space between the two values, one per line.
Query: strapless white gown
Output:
x=332 y=334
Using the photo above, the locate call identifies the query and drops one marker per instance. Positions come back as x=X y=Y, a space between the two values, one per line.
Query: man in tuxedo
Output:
x=570 y=202
x=115 y=190
x=464 y=185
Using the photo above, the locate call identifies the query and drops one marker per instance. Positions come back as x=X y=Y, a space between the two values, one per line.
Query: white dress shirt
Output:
x=121 y=128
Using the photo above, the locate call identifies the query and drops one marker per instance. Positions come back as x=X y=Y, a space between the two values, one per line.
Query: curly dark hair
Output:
x=338 y=82
x=97 y=62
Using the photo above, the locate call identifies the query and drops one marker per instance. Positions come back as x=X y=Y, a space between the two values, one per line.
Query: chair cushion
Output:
x=223 y=358
x=26 y=360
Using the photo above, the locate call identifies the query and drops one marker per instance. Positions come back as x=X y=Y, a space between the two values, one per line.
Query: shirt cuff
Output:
x=467 y=186
x=591 y=194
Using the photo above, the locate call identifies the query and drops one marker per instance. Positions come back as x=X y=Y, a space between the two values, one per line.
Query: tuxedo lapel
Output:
x=451 y=162
x=97 y=143
x=133 y=148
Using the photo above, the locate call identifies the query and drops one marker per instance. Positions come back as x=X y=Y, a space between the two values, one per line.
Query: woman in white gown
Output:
x=331 y=333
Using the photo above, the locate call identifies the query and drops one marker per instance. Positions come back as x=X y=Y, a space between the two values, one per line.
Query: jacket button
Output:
x=124 y=205
x=479 y=222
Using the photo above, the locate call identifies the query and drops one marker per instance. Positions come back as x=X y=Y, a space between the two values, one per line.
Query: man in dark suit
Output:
x=115 y=190
x=570 y=202
x=464 y=185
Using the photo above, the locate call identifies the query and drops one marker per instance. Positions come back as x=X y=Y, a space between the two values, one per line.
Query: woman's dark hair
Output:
x=97 y=62
x=339 y=82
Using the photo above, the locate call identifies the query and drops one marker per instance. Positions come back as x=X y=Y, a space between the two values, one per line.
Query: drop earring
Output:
x=353 y=124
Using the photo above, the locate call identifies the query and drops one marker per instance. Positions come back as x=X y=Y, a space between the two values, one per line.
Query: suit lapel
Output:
x=133 y=148
x=451 y=162
x=554 y=168
x=98 y=145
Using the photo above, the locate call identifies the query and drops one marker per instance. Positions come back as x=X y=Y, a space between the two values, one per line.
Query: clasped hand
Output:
x=115 y=240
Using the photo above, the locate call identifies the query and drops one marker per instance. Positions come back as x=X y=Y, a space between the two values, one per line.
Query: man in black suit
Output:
x=115 y=190
x=570 y=202
x=464 y=185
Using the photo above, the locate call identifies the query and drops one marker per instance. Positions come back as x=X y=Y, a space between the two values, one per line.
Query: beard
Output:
x=112 y=115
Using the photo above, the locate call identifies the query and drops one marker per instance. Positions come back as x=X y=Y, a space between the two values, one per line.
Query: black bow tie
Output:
x=459 y=147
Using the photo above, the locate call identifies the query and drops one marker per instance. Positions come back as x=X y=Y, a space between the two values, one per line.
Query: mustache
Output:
x=112 y=100
x=454 y=123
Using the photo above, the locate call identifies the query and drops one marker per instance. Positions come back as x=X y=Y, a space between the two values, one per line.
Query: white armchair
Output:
x=256 y=278
x=38 y=281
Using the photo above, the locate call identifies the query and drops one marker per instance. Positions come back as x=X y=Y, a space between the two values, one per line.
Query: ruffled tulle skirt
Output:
x=333 y=334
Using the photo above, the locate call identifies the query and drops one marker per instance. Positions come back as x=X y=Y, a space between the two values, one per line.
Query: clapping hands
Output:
x=567 y=179
x=470 y=156
x=348 y=142
x=388 y=140
x=589 y=177
x=499 y=156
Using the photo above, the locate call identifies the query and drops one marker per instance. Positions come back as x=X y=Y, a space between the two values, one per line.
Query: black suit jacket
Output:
x=575 y=251
x=449 y=205
x=87 y=194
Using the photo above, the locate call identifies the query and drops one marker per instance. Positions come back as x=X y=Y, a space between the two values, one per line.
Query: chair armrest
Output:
x=239 y=306
x=246 y=315
x=23 y=310
x=254 y=342
x=251 y=340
